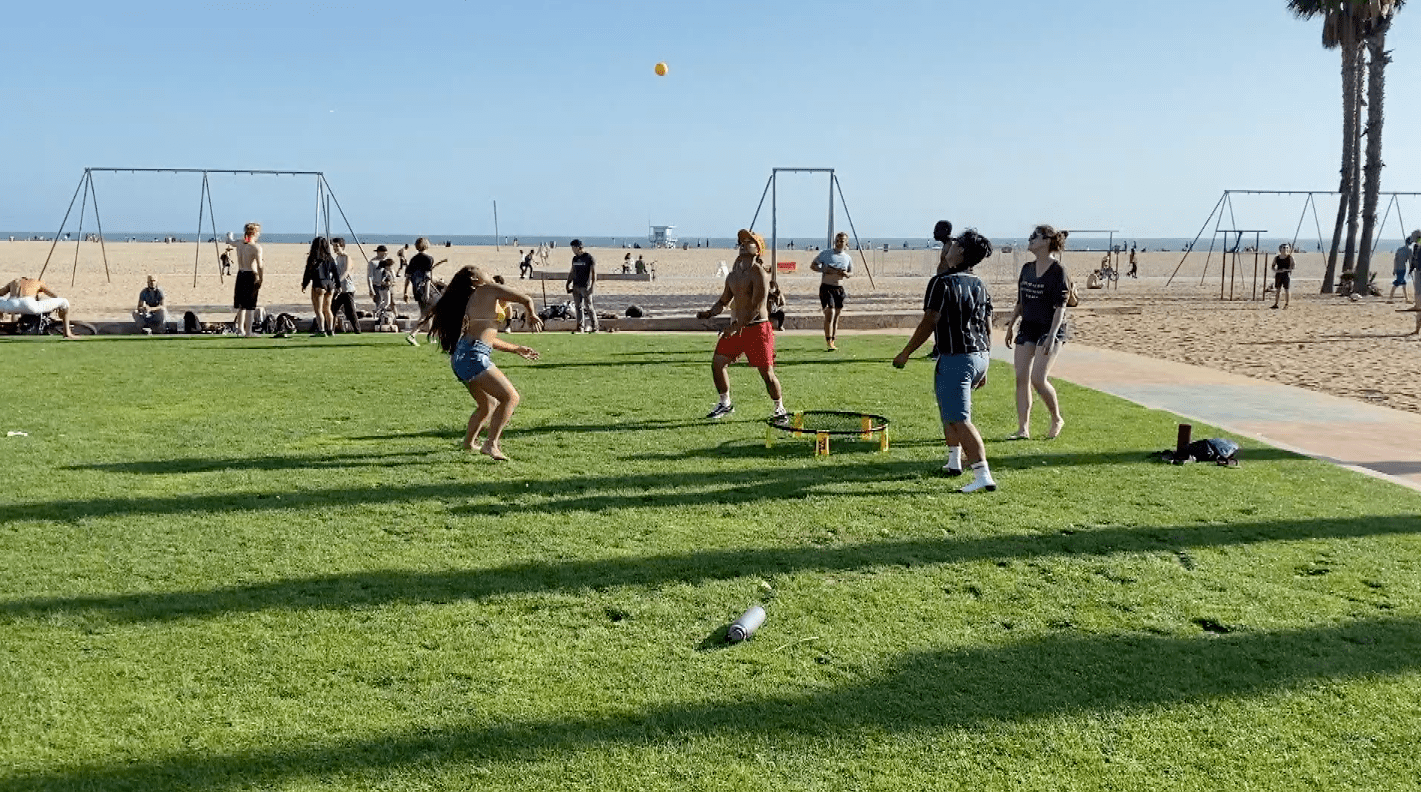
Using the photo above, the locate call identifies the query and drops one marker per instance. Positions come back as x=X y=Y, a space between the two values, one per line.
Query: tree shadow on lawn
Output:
x=200 y=465
x=375 y=588
x=921 y=692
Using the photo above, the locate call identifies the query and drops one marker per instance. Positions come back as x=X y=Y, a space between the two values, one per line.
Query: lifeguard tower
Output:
x=662 y=236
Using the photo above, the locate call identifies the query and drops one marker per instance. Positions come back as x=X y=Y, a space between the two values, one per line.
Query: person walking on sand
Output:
x=1042 y=289
x=581 y=282
x=466 y=324
x=321 y=276
x=747 y=288
x=957 y=311
x=419 y=273
x=250 y=272
x=1400 y=268
x=834 y=266
x=1134 y=265
x=1283 y=275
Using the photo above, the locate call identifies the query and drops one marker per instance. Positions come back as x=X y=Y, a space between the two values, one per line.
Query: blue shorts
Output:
x=953 y=381
x=1035 y=333
x=471 y=358
x=1398 y=278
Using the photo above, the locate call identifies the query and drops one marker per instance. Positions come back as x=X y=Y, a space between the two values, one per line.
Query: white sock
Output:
x=779 y=405
x=725 y=399
x=982 y=478
x=954 y=457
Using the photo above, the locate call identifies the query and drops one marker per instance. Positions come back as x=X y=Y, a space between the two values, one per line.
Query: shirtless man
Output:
x=749 y=332
x=31 y=296
x=834 y=266
x=465 y=320
x=249 y=278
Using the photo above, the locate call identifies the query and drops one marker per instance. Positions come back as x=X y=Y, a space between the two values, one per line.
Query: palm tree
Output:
x=1375 y=25
x=1358 y=28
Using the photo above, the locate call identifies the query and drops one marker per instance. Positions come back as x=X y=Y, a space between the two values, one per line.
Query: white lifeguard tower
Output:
x=661 y=236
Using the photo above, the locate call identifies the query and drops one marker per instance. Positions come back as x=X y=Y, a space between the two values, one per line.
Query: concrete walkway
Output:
x=1375 y=440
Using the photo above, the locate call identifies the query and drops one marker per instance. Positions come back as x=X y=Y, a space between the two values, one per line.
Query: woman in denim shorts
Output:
x=465 y=321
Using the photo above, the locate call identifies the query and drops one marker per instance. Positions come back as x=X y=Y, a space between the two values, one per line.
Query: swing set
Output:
x=325 y=198
x=1229 y=255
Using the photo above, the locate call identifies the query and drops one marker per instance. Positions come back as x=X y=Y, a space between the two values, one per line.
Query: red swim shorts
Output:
x=756 y=343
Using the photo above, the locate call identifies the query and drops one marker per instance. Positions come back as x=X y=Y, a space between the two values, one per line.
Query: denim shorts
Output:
x=471 y=358
x=953 y=381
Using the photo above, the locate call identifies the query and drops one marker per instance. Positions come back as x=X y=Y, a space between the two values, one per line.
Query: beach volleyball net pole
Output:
x=772 y=190
x=325 y=198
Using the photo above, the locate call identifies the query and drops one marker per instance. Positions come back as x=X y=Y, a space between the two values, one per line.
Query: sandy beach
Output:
x=1361 y=350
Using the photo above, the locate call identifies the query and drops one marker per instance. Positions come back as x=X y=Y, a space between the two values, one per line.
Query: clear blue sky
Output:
x=1126 y=115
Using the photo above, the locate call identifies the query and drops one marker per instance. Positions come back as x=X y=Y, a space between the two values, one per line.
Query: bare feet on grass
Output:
x=1056 y=427
x=492 y=451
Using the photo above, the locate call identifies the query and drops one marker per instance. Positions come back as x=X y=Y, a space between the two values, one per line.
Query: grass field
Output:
x=264 y=564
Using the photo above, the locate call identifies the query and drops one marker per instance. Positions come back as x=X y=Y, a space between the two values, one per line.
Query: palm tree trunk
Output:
x=1354 y=184
x=1345 y=207
x=1376 y=94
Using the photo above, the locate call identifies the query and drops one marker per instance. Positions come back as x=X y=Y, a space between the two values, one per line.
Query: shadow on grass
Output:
x=923 y=691
x=383 y=587
x=336 y=461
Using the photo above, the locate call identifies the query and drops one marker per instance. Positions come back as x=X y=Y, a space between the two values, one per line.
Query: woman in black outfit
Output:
x=1041 y=292
x=321 y=276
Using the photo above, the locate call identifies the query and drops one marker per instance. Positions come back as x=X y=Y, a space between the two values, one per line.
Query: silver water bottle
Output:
x=746 y=625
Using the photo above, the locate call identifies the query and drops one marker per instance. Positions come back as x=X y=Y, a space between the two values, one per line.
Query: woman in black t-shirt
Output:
x=321 y=276
x=1041 y=292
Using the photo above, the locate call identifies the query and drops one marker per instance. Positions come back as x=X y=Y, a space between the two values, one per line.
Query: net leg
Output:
x=821 y=444
x=769 y=436
x=883 y=440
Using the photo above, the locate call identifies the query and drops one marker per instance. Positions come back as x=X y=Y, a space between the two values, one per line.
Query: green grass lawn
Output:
x=264 y=564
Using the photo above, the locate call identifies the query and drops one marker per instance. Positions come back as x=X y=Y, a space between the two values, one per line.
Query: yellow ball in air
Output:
x=661 y=69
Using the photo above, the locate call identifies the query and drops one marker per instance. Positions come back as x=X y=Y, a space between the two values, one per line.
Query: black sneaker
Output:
x=720 y=411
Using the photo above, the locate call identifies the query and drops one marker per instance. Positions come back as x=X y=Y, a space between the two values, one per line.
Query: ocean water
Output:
x=1304 y=245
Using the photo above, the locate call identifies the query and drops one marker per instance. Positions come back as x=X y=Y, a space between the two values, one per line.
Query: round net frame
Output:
x=823 y=424
x=830 y=422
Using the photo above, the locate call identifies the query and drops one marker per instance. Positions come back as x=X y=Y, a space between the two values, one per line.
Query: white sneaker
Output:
x=412 y=340
x=949 y=470
x=779 y=413
x=980 y=483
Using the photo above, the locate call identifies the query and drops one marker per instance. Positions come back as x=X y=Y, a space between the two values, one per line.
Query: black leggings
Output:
x=345 y=303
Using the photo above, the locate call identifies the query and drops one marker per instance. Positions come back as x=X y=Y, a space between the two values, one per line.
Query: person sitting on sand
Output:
x=465 y=322
x=1282 y=274
x=32 y=297
x=1093 y=281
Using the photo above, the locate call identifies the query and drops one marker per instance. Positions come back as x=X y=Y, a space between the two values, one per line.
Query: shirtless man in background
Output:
x=31 y=296
x=749 y=332
x=249 y=278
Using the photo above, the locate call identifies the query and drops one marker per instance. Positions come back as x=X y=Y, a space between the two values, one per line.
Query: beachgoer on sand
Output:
x=1283 y=266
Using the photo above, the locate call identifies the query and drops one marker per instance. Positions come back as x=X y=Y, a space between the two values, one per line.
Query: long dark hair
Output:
x=448 y=323
x=320 y=251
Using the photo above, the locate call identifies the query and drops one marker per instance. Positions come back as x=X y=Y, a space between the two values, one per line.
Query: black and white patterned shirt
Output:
x=964 y=313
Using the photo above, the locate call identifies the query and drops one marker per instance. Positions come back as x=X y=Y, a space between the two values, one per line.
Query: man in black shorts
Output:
x=834 y=266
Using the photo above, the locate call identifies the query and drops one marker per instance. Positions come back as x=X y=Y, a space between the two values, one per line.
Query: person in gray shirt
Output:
x=152 y=310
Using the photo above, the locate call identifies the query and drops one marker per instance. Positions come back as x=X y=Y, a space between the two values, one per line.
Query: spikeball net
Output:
x=823 y=424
